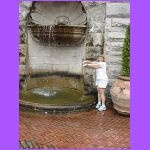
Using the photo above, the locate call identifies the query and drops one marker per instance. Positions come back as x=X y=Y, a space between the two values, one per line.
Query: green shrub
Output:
x=126 y=53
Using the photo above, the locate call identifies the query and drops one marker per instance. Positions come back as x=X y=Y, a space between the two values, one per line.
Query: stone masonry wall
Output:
x=54 y=59
x=117 y=19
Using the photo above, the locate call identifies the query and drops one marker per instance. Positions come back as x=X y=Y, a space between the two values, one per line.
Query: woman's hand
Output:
x=85 y=65
x=86 y=62
x=93 y=66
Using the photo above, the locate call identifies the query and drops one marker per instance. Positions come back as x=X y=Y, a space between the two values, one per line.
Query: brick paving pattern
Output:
x=91 y=129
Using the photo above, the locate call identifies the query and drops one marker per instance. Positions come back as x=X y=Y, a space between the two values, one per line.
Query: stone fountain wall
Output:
x=42 y=57
x=54 y=59
x=106 y=23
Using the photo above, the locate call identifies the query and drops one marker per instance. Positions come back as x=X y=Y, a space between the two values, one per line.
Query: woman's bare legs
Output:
x=99 y=99
x=102 y=95
x=99 y=96
x=101 y=92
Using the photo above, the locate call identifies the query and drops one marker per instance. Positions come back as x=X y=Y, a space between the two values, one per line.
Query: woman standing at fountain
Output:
x=101 y=79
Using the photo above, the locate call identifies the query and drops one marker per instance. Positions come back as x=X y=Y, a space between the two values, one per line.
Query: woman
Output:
x=101 y=79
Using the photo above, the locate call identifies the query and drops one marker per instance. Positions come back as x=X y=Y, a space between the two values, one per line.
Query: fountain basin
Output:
x=58 y=24
x=55 y=94
x=55 y=100
x=59 y=35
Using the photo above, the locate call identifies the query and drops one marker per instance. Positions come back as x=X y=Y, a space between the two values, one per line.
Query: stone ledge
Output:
x=113 y=45
x=116 y=24
x=120 y=22
x=120 y=10
x=114 y=35
x=57 y=109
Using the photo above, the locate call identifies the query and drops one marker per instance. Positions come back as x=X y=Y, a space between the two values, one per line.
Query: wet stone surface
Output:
x=92 y=129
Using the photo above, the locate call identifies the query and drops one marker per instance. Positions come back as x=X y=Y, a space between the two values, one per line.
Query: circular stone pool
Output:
x=55 y=99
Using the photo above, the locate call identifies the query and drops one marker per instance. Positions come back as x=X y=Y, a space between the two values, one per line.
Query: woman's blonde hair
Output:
x=102 y=57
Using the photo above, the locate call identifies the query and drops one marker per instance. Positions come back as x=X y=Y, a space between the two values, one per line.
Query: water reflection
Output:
x=44 y=92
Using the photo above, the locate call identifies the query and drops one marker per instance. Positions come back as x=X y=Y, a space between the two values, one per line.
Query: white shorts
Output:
x=101 y=83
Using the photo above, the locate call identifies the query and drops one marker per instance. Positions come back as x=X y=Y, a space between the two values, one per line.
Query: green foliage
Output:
x=126 y=53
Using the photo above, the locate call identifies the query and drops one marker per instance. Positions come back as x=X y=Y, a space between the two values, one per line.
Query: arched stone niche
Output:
x=24 y=8
x=58 y=23
x=54 y=56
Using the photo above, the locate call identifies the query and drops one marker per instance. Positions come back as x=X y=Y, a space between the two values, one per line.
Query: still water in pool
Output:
x=54 y=96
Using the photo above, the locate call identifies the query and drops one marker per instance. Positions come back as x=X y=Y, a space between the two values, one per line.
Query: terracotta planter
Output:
x=120 y=93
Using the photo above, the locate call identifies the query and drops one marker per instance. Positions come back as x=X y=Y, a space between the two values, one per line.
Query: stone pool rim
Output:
x=55 y=108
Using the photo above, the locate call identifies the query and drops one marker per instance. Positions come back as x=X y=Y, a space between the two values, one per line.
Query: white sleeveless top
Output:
x=101 y=72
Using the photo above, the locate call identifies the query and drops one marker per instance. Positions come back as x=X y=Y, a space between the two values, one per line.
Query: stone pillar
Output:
x=95 y=39
x=24 y=8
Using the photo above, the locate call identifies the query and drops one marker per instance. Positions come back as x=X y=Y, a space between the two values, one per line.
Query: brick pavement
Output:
x=91 y=129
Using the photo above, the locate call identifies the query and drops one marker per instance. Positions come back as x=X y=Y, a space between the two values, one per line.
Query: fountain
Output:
x=56 y=47
x=55 y=93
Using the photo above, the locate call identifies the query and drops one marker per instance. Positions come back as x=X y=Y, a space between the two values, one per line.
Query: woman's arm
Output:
x=89 y=62
x=93 y=66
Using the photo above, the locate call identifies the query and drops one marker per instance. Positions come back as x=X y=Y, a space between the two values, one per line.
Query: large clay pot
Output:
x=120 y=93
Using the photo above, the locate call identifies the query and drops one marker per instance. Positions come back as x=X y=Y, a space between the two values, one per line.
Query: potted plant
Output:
x=120 y=90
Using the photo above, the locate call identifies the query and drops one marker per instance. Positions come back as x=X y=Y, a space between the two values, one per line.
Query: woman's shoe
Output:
x=102 y=108
x=98 y=106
